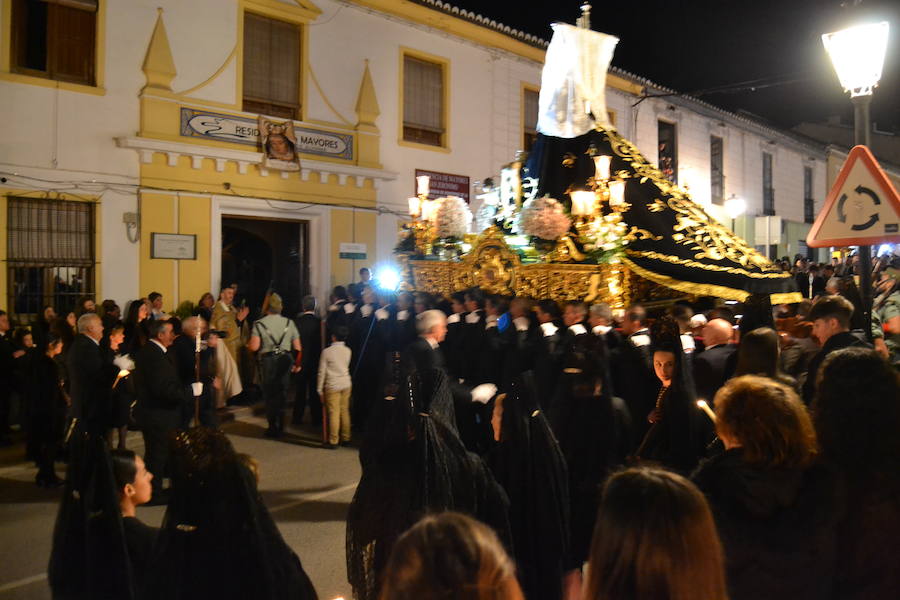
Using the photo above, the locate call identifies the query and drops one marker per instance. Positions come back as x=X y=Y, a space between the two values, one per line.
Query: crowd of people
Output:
x=511 y=447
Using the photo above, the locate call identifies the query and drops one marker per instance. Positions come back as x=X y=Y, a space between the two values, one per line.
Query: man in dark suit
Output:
x=90 y=377
x=716 y=363
x=473 y=336
x=310 y=328
x=424 y=356
x=161 y=396
x=631 y=368
x=547 y=351
x=830 y=317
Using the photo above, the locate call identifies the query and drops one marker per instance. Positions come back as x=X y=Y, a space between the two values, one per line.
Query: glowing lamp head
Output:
x=735 y=207
x=857 y=54
x=422 y=182
x=415 y=207
x=388 y=278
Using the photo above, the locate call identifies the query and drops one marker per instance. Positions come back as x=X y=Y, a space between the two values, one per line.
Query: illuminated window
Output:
x=668 y=151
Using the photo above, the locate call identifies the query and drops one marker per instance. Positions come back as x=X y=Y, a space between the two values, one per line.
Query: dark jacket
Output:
x=838 y=341
x=778 y=527
x=156 y=380
x=91 y=377
x=310 y=328
x=712 y=368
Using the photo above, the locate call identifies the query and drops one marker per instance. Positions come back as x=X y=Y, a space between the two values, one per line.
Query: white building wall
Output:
x=69 y=136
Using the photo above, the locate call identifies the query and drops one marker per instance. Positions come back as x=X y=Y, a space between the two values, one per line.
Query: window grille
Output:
x=50 y=255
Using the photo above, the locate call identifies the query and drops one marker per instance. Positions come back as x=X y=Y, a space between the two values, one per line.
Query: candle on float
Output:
x=422 y=185
x=197 y=340
x=616 y=193
x=582 y=202
x=601 y=167
x=705 y=408
x=415 y=207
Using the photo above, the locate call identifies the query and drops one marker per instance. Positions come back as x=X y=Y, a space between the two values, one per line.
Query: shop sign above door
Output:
x=244 y=130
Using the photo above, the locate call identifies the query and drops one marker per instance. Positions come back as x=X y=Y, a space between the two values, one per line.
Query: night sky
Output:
x=698 y=45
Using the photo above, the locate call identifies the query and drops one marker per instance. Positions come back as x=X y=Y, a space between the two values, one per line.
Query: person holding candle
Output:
x=675 y=438
x=185 y=350
x=775 y=506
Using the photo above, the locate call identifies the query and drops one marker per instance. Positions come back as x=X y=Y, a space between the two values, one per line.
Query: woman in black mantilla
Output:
x=218 y=540
x=527 y=461
x=418 y=466
x=595 y=434
x=677 y=435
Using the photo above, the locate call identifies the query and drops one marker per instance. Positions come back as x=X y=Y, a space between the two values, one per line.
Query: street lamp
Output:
x=857 y=54
x=735 y=207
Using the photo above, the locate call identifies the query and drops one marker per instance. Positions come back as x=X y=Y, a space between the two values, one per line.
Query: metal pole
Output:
x=861 y=135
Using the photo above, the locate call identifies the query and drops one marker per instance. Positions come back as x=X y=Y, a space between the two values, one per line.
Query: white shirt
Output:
x=454 y=318
x=548 y=329
x=601 y=329
x=402 y=315
x=473 y=317
x=577 y=329
x=334 y=368
x=157 y=342
x=521 y=323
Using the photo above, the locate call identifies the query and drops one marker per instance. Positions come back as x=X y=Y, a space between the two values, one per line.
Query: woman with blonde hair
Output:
x=774 y=505
x=655 y=539
x=449 y=555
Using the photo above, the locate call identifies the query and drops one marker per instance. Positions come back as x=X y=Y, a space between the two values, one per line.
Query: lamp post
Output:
x=857 y=54
x=735 y=207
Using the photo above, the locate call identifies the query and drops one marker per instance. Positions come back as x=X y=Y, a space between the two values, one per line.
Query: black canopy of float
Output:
x=672 y=241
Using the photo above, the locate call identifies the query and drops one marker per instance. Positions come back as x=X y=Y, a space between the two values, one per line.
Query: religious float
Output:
x=584 y=216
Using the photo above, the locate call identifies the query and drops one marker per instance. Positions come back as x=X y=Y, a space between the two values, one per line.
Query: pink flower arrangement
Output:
x=543 y=218
x=452 y=217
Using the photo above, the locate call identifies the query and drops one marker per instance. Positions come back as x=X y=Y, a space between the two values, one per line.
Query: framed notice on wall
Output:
x=173 y=246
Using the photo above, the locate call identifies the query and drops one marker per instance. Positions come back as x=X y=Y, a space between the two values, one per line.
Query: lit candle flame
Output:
x=705 y=408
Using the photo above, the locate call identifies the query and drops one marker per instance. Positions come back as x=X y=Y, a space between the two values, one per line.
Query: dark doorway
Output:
x=261 y=253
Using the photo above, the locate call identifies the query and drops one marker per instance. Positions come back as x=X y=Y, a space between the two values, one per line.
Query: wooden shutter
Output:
x=271 y=66
x=423 y=101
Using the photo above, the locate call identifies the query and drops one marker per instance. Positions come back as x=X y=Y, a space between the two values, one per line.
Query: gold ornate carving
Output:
x=496 y=269
x=693 y=227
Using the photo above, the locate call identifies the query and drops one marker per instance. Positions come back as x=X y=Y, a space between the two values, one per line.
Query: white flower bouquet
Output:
x=543 y=218
x=452 y=218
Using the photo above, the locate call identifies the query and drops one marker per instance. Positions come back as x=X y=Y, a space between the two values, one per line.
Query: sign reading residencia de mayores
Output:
x=245 y=130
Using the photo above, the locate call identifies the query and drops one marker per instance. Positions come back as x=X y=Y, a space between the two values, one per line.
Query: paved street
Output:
x=306 y=488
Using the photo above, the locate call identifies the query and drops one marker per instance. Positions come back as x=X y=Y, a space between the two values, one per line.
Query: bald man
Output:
x=716 y=363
